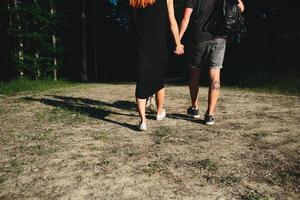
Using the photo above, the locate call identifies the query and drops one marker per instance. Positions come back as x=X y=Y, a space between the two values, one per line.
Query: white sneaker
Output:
x=149 y=102
x=142 y=127
x=161 y=116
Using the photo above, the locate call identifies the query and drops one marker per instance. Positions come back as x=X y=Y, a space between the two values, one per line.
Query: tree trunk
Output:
x=103 y=43
x=37 y=70
x=54 y=45
x=55 y=74
x=10 y=17
x=54 y=58
x=95 y=43
x=36 y=57
x=84 y=74
x=20 y=46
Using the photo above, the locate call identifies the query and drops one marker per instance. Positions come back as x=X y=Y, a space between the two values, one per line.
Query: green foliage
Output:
x=30 y=32
x=275 y=74
x=23 y=85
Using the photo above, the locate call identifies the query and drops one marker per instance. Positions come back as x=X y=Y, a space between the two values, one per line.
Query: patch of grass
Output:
x=133 y=152
x=286 y=177
x=255 y=196
x=2 y=111
x=3 y=140
x=130 y=150
x=95 y=149
x=76 y=156
x=163 y=133
x=230 y=180
x=265 y=164
x=37 y=150
x=179 y=140
x=15 y=166
x=100 y=136
x=287 y=87
x=7 y=137
x=275 y=73
x=45 y=136
x=152 y=168
x=102 y=108
x=259 y=136
x=207 y=164
x=26 y=85
x=67 y=116
x=2 y=179
x=105 y=162
x=60 y=114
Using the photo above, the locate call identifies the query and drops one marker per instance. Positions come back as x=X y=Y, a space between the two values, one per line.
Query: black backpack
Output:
x=228 y=21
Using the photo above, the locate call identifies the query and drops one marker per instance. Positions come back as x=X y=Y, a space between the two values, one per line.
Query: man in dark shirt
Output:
x=205 y=50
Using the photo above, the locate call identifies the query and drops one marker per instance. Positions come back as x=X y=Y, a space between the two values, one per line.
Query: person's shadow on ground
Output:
x=178 y=116
x=92 y=108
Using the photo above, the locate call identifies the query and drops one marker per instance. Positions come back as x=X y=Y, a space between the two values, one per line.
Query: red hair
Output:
x=141 y=3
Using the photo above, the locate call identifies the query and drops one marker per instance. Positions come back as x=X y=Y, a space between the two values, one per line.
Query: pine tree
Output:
x=32 y=26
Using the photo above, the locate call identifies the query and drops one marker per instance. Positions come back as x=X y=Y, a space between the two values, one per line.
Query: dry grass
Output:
x=81 y=143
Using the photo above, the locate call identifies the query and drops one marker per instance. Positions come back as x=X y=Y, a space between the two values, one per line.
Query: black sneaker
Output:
x=193 y=112
x=209 y=120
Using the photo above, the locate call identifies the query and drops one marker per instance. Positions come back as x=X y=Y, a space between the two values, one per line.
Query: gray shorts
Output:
x=207 y=54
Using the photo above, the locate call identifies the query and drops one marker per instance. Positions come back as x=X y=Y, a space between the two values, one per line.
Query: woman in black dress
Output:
x=152 y=20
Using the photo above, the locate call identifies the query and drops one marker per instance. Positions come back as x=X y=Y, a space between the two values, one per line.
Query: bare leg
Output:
x=194 y=86
x=214 y=90
x=160 y=98
x=141 y=105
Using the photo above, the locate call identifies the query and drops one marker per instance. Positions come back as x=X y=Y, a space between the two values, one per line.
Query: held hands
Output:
x=179 y=50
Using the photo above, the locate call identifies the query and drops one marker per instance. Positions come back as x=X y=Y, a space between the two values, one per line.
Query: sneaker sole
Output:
x=160 y=119
x=194 y=116
x=142 y=129
x=209 y=123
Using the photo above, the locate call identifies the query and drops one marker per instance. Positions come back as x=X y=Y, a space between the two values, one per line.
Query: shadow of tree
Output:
x=92 y=108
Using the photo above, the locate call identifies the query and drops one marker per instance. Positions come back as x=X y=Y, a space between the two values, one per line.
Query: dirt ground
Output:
x=81 y=143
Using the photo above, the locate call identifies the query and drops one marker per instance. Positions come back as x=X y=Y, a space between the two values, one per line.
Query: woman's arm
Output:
x=185 y=21
x=174 y=26
x=241 y=5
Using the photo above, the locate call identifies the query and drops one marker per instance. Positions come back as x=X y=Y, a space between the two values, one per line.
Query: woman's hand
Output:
x=179 y=49
x=241 y=5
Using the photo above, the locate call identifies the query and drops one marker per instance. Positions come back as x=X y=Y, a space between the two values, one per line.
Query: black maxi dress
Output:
x=152 y=48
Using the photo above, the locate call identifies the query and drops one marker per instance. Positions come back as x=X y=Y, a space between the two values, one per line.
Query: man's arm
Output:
x=185 y=21
x=241 y=6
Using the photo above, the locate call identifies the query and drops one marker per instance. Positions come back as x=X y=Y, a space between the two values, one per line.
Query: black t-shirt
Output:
x=202 y=15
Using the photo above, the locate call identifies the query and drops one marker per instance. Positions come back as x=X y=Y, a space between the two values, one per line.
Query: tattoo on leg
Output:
x=216 y=85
